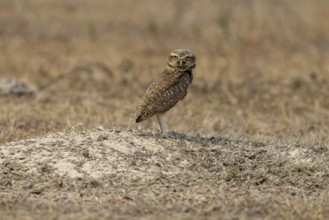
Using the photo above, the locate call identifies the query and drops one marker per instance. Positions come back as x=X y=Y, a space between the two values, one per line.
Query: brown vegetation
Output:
x=262 y=76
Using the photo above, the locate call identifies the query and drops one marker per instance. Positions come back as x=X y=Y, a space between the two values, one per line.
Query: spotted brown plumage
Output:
x=171 y=87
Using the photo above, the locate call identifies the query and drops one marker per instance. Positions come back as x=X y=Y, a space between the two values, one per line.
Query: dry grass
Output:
x=262 y=73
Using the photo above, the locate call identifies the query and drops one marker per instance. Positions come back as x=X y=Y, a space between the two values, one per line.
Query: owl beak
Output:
x=181 y=62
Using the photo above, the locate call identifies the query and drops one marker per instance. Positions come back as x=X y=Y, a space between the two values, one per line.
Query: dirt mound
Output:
x=14 y=87
x=124 y=173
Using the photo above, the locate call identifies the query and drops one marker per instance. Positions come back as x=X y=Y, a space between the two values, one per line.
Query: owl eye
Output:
x=175 y=57
x=188 y=58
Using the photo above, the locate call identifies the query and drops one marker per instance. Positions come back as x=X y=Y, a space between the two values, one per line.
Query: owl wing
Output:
x=164 y=94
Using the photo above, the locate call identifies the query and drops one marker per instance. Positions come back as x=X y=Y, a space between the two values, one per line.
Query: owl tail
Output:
x=139 y=114
x=143 y=116
x=139 y=119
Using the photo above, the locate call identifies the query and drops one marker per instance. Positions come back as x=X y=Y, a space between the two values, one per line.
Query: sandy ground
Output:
x=89 y=174
x=72 y=72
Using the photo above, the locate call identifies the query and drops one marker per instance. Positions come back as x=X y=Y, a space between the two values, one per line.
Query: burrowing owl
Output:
x=171 y=87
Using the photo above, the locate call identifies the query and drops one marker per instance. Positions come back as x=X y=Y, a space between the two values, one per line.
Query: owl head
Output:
x=181 y=59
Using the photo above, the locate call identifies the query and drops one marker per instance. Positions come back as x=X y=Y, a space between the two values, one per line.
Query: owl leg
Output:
x=162 y=123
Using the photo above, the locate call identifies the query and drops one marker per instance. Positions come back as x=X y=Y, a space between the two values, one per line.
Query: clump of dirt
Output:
x=14 y=87
x=133 y=174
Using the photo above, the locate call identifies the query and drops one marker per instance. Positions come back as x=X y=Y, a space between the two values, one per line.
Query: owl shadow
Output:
x=190 y=138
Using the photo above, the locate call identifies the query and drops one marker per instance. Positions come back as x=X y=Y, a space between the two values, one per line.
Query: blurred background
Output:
x=262 y=66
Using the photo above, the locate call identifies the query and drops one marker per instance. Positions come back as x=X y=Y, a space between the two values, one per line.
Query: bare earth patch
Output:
x=119 y=173
x=67 y=67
